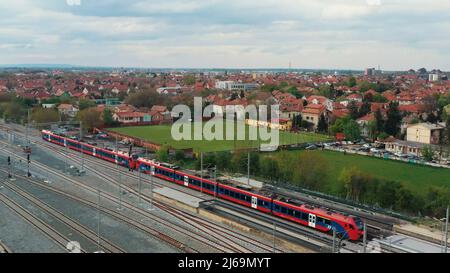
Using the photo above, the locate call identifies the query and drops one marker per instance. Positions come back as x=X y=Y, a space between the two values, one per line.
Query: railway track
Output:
x=170 y=224
x=225 y=234
x=106 y=245
x=4 y=248
x=60 y=239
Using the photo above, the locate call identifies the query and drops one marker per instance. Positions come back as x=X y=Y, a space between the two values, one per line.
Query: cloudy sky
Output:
x=341 y=34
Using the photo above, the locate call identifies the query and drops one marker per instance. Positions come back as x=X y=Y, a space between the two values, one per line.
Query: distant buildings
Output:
x=372 y=72
x=235 y=86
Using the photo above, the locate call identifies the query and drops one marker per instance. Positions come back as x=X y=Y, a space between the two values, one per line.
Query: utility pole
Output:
x=201 y=171
x=334 y=241
x=274 y=229
x=151 y=189
x=120 y=175
x=140 y=188
x=446 y=232
x=365 y=239
x=26 y=129
x=82 y=154
x=9 y=168
x=28 y=165
x=248 y=168
x=98 y=224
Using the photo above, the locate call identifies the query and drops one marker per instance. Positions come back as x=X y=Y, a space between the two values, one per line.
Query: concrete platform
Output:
x=178 y=198
x=421 y=232
x=410 y=244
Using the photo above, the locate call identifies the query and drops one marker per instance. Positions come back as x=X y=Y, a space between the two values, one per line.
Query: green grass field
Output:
x=162 y=135
x=416 y=177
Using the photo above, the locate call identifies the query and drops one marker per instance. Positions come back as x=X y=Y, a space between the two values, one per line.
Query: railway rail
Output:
x=54 y=235
x=226 y=235
x=106 y=244
x=222 y=247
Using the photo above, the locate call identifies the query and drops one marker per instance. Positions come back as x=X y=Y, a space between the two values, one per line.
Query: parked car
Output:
x=311 y=147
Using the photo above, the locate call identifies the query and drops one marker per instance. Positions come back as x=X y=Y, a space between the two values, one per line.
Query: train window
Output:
x=351 y=227
x=283 y=210
x=328 y=222
x=305 y=216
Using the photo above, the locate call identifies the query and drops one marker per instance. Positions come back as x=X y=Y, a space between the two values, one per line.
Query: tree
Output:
x=310 y=171
x=43 y=115
x=146 y=98
x=447 y=131
x=85 y=104
x=322 y=125
x=354 y=182
x=108 y=117
x=179 y=155
x=354 y=111
x=364 y=110
x=223 y=160
x=189 y=79
x=351 y=82
x=269 y=168
x=90 y=118
x=352 y=131
x=347 y=126
x=428 y=153
x=394 y=119
x=379 y=121
x=163 y=154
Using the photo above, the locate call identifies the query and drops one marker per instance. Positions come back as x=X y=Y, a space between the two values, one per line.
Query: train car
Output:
x=121 y=158
x=245 y=198
x=349 y=227
x=183 y=178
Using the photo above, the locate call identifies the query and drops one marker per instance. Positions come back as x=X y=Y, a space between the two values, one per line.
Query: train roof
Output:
x=118 y=152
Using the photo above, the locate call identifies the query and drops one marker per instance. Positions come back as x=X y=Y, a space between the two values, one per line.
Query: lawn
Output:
x=162 y=135
x=418 y=178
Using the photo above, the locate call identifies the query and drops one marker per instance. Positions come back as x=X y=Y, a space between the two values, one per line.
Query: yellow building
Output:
x=282 y=124
x=426 y=133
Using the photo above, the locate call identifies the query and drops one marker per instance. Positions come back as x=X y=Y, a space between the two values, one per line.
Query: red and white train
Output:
x=350 y=227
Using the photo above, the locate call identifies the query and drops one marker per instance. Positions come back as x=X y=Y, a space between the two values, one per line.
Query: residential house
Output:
x=312 y=113
x=67 y=110
x=364 y=124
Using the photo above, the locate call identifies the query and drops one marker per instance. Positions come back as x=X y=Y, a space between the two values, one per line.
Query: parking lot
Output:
x=376 y=150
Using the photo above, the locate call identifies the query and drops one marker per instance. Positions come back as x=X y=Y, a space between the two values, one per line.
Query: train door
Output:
x=65 y=141
x=312 y=220
x=117 y=159
x=186 y=181
x=152 y=170
x=94 y=152
x=254 y=202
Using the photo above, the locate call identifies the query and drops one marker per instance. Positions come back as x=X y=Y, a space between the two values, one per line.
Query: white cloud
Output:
x=228 y=33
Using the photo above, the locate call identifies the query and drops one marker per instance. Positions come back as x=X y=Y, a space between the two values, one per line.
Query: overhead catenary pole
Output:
x=82 y=154
x=365 y=239
x=140 y=182
x=201 y=172
x=99 y=221
x=333 y=250
x=248 y=168
x=446 y=232
x=120 y=175
x=274 y=229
